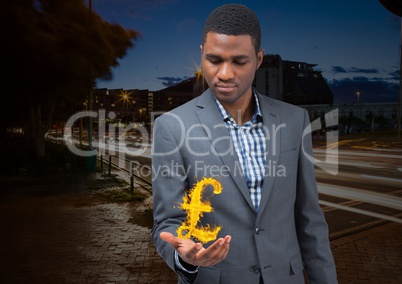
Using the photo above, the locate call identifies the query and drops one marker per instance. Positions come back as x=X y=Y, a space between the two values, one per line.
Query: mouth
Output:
x=225 y=88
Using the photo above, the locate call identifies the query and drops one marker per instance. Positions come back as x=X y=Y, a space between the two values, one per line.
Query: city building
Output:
x=358 y=117
x=174 y=96
x=131 y=105
x=268 y=79
x=290 y=81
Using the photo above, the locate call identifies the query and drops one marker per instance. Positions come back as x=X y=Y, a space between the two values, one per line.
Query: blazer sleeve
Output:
x=169 y=182
x=312 y=229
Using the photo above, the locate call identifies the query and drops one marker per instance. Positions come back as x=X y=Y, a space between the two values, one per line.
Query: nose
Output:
x=225 y=72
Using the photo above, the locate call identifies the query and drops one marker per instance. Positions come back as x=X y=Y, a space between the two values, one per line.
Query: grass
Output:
x=104 y=181
x=113 y=189
x=121 y=195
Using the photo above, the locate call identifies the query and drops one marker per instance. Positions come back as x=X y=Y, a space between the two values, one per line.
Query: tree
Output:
x=53 y=52
x=349 y=122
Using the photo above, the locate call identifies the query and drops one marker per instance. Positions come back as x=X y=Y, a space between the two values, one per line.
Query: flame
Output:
x=195 y=207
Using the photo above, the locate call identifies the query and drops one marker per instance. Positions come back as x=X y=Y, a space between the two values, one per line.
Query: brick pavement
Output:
x=371 y=256
x=76 y=238
x=61 y=233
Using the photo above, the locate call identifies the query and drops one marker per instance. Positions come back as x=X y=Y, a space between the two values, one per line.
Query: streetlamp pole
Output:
x=90 y=164
x=90 y=103
x=395 y=7
x=400 y=88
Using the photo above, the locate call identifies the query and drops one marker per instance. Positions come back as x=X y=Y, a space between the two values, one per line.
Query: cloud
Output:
x=395 y=75
x=170 y=81
x=372 y=90
x=338 y=69
x=364 y=70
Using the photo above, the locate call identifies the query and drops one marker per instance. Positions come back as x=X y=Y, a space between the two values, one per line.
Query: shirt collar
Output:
x=257 y=117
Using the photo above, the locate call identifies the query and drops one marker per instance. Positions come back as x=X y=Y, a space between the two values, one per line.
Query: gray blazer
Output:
x=288 y=234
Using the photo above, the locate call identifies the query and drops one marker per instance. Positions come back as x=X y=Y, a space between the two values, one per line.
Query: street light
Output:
x=125 y=97
x=358 y=96
x=199 y=74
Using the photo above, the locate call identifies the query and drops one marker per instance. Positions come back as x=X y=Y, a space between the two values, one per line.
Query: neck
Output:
x=242 y=110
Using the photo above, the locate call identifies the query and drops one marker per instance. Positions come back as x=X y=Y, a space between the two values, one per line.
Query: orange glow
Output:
x=195 y=207
x=125 y=97
x=198 y=72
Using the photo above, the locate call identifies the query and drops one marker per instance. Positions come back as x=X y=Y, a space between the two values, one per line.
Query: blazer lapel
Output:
x=210 y=116
x=271 y=121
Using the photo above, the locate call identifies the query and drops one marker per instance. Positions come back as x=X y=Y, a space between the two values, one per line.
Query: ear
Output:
x=260 y=57
x=201 y=48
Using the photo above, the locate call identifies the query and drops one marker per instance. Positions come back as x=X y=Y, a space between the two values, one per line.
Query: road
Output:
x=365 y=190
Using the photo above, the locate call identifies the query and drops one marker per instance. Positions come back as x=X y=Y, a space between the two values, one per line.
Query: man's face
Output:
x=229 y=64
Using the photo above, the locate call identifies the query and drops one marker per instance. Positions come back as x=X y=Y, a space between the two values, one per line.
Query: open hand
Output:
x=195 y=254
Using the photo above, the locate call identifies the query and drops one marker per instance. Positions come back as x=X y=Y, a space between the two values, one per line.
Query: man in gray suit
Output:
x=272 y=227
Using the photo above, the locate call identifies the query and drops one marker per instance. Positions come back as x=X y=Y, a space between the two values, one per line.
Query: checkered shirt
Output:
x=250 y=145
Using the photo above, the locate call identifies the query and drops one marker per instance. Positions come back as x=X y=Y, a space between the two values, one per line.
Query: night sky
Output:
x=355 y=43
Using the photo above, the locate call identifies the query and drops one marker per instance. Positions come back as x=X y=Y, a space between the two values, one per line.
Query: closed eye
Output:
x=239 y=60
x=213 y=59
x=240 y=63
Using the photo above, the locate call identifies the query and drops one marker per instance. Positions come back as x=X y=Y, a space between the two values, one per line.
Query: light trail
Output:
x=383 y=178
x=361 y=195
x=361 y=211
x=361 y=154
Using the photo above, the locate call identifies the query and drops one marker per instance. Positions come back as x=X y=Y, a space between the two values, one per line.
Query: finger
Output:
x=217 y=245
x=223 y=252
x=228 y=238
x=186 y=248
x=215 y=253
x=222 y=249
x=190 y=254
x=169 y=238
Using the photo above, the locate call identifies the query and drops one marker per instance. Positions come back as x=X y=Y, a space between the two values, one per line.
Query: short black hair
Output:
x=234 y=19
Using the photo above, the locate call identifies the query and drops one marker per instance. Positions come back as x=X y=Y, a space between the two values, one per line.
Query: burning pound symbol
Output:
x=195 y=208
